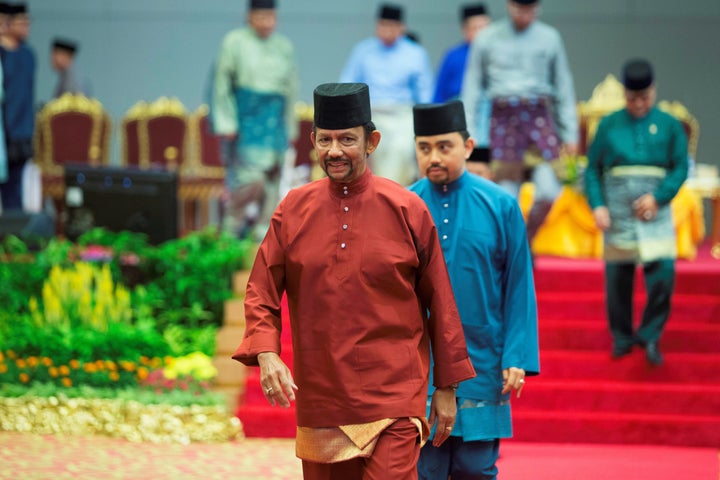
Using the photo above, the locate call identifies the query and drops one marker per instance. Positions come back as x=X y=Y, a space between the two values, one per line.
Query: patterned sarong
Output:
x=630 y=239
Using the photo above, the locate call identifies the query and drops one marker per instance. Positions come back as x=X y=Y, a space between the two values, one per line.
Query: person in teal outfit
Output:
x=484 y=242
x=637 y=162
x=252 y=109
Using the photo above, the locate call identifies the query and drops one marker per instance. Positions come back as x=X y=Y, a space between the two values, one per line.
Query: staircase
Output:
x=583 y=395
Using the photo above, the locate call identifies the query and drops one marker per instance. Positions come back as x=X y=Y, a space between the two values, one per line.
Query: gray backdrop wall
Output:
x=142 y=49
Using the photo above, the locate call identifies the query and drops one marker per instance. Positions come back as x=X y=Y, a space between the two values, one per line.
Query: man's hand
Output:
x=646 y=207
x=443 y=410
x=276 y=380
x=513 y=379
x=602 y=218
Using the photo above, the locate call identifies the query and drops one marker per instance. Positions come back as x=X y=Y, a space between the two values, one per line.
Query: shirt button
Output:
x=345 y=227
x=444 y=237
x=347 y=209
x=446 y=205
x=446 y=221
x=342 y=245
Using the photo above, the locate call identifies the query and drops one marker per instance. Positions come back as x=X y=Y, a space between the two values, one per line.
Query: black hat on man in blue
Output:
x=438 y=118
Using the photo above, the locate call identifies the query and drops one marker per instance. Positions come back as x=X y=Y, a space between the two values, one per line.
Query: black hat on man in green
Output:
x=341 y=105
x=637 y=74
x=438 y=118
x=262 y=4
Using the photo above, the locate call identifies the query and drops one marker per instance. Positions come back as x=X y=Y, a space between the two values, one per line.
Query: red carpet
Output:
x=582 y=395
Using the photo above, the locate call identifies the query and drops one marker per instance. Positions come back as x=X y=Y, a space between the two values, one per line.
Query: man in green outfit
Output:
x=636 y=165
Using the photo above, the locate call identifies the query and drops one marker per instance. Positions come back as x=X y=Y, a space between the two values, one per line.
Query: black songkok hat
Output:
x=526 y=2
x=342 y=105
x=439 y=118
x=65 y=44
x=480 y=155
x=468 y=11
x=18 y=9
x=637 y=74
x=262 y=4
x=390 y=12
x=5 y=8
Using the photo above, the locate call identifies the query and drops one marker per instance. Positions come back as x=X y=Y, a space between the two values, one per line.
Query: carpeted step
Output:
x=679 y=335
x=628 y=428
x=592 y=395
x=266 y=421
x=591 y=305
x=583 y=365
x=553 y=275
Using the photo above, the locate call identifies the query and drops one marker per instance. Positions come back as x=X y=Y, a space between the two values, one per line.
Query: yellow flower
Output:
x=53 y=372
x=127 y=365
x=111 y=365
x=114 y=376
x=64 y=370
x=66 y=382
x=24 y=377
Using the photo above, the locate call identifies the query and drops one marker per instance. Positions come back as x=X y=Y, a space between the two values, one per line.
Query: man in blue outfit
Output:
x=18 y=65
x=397 y=70
x=473 y=18
x=482 y=234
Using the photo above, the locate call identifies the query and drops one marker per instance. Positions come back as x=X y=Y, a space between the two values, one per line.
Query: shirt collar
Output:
x=452 y=186
x=356 y=187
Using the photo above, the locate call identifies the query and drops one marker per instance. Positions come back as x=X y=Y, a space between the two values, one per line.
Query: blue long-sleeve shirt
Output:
x=482 y=234
x=19 y=86
x=396 y=75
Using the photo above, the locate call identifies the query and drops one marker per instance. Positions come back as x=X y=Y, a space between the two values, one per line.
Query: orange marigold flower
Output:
x=114 y=376
x=33 y=362
x=2 y=357
x=64 y=370
x=100 y=364
x=53 y=371
x=3 y=368
x=11 y=354
x=144 y=360
x=66 y=382
x=74 y=364
x=47 y=361
x=24 y=377
x=142 y=373
x=90 y=368
x=111 y=365
x=20 y=363
x=127 y=365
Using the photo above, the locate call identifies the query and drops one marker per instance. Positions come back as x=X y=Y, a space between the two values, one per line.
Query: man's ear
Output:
x=373 y=141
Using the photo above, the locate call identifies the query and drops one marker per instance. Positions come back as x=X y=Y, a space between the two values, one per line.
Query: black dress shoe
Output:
x=621 y=350
x=652 y=353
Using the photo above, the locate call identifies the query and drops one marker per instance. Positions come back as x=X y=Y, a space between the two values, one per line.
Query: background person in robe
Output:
x=4 y=12
x=479 y=163
x=62 y=59
x=18 y=65
x=398 y=72
x=473 y=18
x=368 y=293
x=252 y=108
x=637 y=162
x=519 y=63
x=482 y=233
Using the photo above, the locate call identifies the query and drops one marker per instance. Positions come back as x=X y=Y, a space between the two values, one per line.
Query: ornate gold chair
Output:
x=202 y=175
x=130 y=137
x=569 y=229
x=71 y=129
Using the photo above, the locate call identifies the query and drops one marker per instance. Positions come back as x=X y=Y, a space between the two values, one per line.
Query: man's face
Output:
x=441 y=158
x=343 y=153
x=388 y=31
x=472 y=26
x=522 y=15
x=263 y=21
x=60 y=59
x=639 y=102
x=480 y=169
x=19 y=26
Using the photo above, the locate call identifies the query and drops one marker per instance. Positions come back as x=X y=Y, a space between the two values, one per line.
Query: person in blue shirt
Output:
x=18 y=64
x=482 y=235
x=397 y=70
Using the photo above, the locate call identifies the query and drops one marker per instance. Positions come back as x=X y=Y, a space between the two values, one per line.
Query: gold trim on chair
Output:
x=194 y=166
x=608 y=96
x=679 y=111
x=134 y=114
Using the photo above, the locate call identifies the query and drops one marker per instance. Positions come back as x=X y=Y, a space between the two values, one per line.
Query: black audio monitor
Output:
x=121 y=199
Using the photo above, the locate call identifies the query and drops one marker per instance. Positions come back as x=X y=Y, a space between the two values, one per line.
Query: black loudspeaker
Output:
x=32 y=228
x=120 y=199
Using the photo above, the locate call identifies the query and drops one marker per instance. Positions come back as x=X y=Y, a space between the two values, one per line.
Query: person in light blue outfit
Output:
x=449 y=80
x=482 y=234
x=397 y=70
x=520 y=65
x=253 y=110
